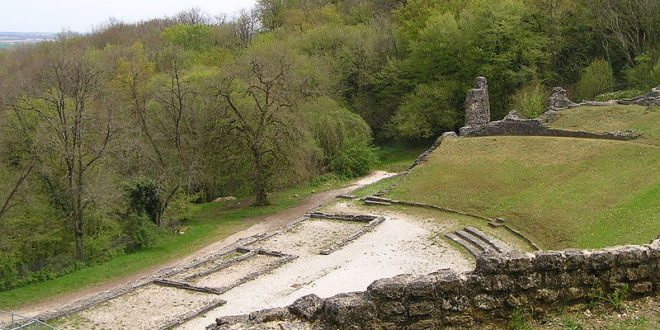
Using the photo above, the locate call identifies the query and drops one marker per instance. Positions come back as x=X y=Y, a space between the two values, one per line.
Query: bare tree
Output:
x=9 y=199
x=193 y=16
x=260 y=104
x=245 y=26
x=631 y=25
x=75 y=125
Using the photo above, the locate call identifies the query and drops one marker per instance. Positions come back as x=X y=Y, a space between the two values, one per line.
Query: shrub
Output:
x=530 y=100
x=356 y=159
x=596 y=79
x=646 y=74
x=427 y=112
x=145 y=197
x=142 y=232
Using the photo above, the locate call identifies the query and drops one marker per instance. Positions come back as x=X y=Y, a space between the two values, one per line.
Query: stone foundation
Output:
x=512 y=124
x=500 y=284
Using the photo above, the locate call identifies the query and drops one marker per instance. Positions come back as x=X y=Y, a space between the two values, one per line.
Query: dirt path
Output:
x=265 y=224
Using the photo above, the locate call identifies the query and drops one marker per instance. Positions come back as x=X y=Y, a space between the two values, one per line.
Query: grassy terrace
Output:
x=645 y=120
x=562 y=192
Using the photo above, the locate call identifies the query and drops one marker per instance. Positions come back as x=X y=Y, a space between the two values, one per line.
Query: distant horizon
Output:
x=83 y=16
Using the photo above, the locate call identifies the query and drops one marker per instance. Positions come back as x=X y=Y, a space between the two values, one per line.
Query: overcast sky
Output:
x=82 y=15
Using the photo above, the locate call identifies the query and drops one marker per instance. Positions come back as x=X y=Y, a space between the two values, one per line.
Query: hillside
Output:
x=562 y=192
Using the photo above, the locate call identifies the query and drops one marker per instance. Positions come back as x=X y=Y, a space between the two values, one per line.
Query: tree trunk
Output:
x=261 y=198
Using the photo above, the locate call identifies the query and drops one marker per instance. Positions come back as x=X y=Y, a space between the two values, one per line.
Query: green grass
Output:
x=562 y=192
x=599 y=119
x=209 y=222
x=396 y=158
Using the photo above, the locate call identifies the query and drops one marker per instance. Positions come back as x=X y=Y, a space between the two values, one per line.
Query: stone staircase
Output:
x=476 y=242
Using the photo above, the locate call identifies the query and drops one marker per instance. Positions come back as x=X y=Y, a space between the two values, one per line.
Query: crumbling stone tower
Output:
x=559 y=101
x=477 y=104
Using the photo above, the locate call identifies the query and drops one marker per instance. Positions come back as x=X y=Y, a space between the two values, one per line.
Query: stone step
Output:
x=377 y=199
x=494 y=224
x=474 y=240
x=346 y=196
x=499 y=246
x=375 y=203
x=469 y=246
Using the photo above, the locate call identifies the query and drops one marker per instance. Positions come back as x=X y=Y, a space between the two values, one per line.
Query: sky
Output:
x=83 y=15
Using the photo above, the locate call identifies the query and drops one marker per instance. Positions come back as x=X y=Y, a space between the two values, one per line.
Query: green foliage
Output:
x=145 y=197
x=190 y=37
x=142 y=232
x=531 y=100
x=427 y=112
x=355 y=159
x=646 y=73
x=597 y=78
x=520 y=319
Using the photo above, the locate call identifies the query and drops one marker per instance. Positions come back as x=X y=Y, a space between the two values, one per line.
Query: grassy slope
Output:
x=645 y=120
x=209 y=222
x=562 y=192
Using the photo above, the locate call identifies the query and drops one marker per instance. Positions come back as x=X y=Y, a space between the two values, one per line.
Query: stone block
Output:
x=448 y=282
x=486 y=302
x=632 y=255
x=575 y=259
x=426 y=325
x=390 y=308
x=307 y=306
x=388 y=288
x=455 y=303
x=549 y=261
x=420 y=308
x=546 y=295
x=601 y=259
x=642 y=287
x=345 y=310
x=421 y=287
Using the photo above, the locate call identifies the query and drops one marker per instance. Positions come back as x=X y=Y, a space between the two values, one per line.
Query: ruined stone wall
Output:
x=500 y=283
x=514 y=125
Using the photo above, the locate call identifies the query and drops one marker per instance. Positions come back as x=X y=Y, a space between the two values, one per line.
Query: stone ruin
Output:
x=559 y=101
x=477 y=105
x=491 y=293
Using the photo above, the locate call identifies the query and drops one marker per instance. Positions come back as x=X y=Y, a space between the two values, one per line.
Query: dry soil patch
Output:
x=310 y=236
x=148 y=307
x=233 y=274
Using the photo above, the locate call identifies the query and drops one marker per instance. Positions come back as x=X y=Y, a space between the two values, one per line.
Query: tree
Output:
x=76 y=125
x=260 y=104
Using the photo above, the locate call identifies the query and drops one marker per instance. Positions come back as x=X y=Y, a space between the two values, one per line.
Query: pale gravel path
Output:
x=400 y=245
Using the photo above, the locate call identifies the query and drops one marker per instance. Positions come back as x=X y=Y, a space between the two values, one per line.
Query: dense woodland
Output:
x=107 y=136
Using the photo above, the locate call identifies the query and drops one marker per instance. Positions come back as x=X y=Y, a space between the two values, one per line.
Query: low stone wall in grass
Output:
x=512 y=124
x=499 y=285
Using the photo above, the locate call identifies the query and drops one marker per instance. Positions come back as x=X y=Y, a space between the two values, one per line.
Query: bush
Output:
x=427 y=112
x=646 y=74
x=596 y=79
x=145 y=197
x=531 y=100
x=356 y=159
x=142 y=232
